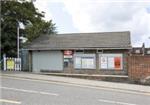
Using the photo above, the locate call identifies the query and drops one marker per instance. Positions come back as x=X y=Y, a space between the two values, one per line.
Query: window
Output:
x=77 y=63
x=66 y=63
x=148 y=51
x=100 y=51
x=137 y=51
x=87 y=62
x=89 y=51
x=84 y=61
x=110 y=61
x=79 y=51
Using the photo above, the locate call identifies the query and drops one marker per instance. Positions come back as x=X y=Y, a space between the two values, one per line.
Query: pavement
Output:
x=80 y=82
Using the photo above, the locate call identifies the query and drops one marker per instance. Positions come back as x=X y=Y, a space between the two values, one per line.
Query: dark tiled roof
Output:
x=120 y=40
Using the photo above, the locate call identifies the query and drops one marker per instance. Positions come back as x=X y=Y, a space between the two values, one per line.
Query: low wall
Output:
x=138 y=67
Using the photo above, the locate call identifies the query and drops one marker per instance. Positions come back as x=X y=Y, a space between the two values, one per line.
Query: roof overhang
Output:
x=84 y=48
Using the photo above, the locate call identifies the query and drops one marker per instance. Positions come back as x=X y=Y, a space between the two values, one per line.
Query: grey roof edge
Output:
x=85 y=33
x=92 y=48
x=93 y=32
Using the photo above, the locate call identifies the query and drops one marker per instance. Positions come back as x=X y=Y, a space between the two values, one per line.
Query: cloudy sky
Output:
x=73 y=16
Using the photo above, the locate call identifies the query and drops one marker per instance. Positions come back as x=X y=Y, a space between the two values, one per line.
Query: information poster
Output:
x=10 y=64
x=103 y=62
x=117 y=62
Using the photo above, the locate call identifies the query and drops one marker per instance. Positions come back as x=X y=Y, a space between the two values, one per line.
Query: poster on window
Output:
x=88 y=63
x=77 y=62
x=103 y=62
x=117 y=63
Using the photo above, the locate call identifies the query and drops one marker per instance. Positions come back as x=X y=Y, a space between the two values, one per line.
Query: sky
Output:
x=75 y=16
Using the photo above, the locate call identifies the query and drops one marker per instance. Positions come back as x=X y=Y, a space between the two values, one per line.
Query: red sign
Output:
x=117 y=63
x=68 y=52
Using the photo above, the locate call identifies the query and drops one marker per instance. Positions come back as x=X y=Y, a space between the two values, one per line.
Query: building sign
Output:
x=10 y=64
x=111 y=61
x=68 y=54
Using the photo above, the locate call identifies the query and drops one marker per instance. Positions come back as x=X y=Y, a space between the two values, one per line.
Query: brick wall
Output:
x=138 y=67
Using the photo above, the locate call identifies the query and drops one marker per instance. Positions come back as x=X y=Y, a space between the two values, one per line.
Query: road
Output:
x=15 y=91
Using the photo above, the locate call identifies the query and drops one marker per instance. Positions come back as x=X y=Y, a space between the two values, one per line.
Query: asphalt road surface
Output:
x=15 y=91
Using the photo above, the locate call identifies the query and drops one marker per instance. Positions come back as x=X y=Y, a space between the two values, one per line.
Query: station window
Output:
x=110 y=61
x=84 y=61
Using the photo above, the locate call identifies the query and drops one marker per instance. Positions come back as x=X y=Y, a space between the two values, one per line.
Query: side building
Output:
x=92 y=53
x=140 y=51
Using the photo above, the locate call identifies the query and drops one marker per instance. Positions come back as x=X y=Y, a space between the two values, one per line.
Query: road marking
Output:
x=46 y=93
x=115 y=102
x=30 y=91
x=78 y=85
x=10 y=101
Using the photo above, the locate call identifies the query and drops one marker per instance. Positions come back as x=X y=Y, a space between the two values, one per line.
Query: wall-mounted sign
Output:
x=68 y=52
x=10 y=64
x=67 y=56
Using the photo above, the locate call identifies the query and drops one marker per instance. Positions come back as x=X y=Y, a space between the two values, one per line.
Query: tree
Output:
x=39 y=27
x=14 y=12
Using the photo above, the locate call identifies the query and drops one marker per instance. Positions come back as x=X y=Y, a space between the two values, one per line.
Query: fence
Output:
x=12 y=64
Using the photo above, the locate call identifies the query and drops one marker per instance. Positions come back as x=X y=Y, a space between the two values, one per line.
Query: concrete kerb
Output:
x=85 y=75
x=97 y=77
x=73 y=83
